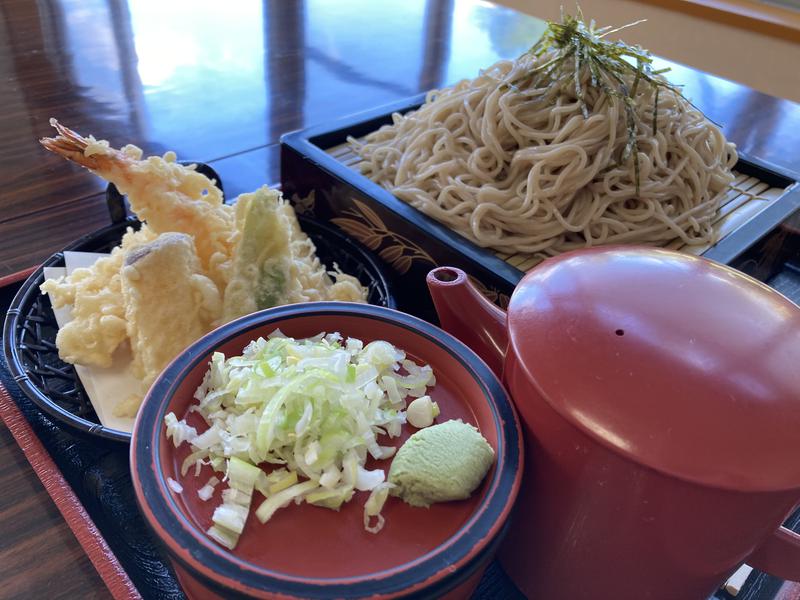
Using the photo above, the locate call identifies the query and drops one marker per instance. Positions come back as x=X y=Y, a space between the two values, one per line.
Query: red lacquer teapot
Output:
x=660 y=397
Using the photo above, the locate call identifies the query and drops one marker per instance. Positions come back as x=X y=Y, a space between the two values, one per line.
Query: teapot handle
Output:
x=779 y=555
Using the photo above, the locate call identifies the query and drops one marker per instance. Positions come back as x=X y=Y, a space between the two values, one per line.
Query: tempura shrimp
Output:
x=168 y=196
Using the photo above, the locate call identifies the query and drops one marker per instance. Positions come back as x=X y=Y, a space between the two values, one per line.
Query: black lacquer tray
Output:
x=97 y=470
x=319 y=172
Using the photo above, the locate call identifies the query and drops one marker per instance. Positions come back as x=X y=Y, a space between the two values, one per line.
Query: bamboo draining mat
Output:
x=746 y=197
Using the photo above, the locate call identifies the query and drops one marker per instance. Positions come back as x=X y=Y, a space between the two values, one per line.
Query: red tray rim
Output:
x=68 y=504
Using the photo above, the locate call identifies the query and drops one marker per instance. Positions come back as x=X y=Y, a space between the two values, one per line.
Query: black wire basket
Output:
x=30 y=327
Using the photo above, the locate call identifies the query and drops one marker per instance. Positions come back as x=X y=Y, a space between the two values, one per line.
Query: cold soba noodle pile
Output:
x=578 y=142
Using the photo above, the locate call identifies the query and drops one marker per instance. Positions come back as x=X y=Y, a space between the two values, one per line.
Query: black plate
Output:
x=30 y=326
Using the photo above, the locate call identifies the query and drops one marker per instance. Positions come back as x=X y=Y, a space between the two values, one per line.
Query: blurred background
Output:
x=753 y=42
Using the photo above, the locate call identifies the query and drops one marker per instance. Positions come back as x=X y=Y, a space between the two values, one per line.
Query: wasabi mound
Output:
x=440 y=463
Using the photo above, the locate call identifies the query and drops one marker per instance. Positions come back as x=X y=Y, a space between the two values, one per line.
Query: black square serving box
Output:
x=320 y=182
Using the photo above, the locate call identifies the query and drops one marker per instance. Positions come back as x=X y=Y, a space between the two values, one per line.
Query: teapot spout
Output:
x=465 y=313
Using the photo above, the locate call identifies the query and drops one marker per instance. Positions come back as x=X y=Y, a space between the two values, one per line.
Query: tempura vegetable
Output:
x=276 y=262
x=261 y=275
x=98 y=324
x=315 y=282
x=169 y=303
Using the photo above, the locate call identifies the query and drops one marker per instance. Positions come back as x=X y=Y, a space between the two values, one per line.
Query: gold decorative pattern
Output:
x=492 y=294
x=395 y=249
x=369 y=229
x=304 y=206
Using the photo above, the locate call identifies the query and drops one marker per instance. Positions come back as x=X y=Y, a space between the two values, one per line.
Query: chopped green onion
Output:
x=223 y=536
x=374 y=506
x=288 y=480
x=282 y=498
x=313 y=407
x=332 y=499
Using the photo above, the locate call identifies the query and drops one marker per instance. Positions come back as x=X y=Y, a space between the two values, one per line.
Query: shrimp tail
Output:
x=72 y=146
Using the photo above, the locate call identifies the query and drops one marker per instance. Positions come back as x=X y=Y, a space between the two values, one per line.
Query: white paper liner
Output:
x=106 y=387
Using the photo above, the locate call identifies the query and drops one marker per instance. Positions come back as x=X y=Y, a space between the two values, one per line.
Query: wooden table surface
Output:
x=220 y=82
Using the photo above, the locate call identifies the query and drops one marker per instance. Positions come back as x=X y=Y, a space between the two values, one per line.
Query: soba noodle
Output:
x=510 y=161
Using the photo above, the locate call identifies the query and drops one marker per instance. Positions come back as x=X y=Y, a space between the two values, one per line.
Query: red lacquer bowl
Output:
x=311 y=552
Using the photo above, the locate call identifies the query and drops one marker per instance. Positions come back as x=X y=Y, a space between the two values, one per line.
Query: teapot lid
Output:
x=680 y=363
